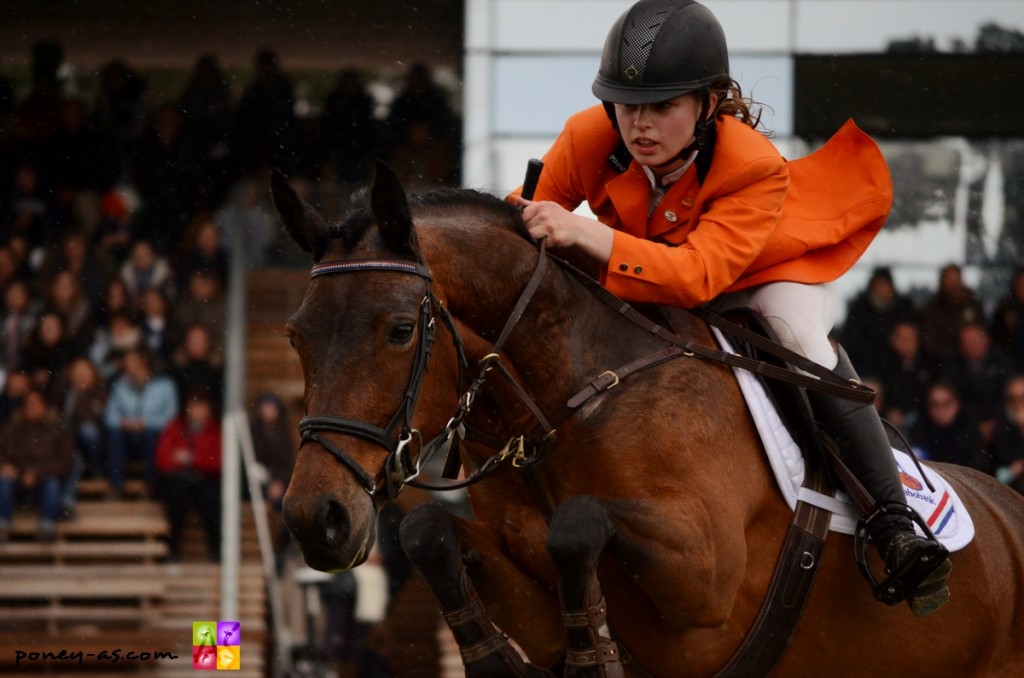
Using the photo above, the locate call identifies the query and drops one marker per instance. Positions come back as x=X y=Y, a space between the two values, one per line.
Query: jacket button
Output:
x=670 y=217
x=638 y=269
x=623 y=267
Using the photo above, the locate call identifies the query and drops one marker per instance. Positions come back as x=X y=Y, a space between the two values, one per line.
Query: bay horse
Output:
x=665 y=520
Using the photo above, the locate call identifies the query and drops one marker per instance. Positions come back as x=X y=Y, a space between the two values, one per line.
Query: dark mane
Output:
x=443 y=200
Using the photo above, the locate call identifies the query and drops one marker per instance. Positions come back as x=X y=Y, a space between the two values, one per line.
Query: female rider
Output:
x=695 y=207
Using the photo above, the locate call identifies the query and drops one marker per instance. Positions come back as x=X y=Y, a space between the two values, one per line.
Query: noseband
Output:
x=399 y=467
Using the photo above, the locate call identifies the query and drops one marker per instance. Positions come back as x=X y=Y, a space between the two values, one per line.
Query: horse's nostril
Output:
x=335 y=521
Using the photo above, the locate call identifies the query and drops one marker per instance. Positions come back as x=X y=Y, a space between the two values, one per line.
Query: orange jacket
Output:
x=757 y=218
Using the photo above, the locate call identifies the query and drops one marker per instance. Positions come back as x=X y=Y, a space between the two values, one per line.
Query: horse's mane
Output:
x=494 y=211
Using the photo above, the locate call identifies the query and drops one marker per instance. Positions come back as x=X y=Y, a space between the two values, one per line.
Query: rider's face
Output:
x=656 y=133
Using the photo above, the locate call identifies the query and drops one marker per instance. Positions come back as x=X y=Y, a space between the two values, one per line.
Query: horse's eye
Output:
x=291 y=340
x=401 y=333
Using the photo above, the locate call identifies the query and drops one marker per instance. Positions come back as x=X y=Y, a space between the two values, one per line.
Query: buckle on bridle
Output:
x=403 y=468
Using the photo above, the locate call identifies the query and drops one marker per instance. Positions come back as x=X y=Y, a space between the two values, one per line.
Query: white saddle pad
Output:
x=942 y=510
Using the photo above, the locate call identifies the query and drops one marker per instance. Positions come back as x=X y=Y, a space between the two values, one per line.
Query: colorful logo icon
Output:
x=911 y=482
x=204 y=657
x=229 y=658
x=216 y=645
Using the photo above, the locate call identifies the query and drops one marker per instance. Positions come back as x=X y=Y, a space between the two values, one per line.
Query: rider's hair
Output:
x=732 y=102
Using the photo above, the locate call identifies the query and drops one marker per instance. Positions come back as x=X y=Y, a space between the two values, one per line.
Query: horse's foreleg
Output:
x=580 y=530
x=431 y=540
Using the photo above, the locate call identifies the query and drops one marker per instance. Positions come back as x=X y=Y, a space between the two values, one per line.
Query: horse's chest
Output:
x=526 y=542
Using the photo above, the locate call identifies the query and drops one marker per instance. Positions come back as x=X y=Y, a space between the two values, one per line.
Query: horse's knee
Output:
x=428 y=536
x=580 y=529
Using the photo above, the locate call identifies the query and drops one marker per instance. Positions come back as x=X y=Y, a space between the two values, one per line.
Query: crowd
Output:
x=949 y=374
x=114 y=262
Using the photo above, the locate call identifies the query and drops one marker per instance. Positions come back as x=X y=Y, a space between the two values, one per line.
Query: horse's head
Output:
x=364 y=333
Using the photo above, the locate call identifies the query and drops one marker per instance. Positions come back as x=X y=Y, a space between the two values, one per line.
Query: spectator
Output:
x=188 y=461
x=274 y=448
x=91 y=267
x=167 y=167
x=194 y=364
x=1007 y=328
x=16 y=387
x=204 y=251
x=47 y=351
x=141 y=404
x=349 y=128
x=115 y=300
x=422 y=101
x=425 y=162
x=356 y=604
x=205 y=304
x=116 y=229
x=29 y=212
x=159 y=333
x=1008 y=441
x=945 y=432
x=111 y=343
x=119 y=105
x=206 y=104
x=144 y=269
x=35 y=454
x=264 y=123
x=978 y=371
x=247 y=211
x=83 y=397
x=8 y=267
x=38 y=114
x=18 y=250
x=953 y=306
x=18 y=319
x=906 y=373
x=426 y=134
x=870 y=319
x=66 y=297
x=77 y=155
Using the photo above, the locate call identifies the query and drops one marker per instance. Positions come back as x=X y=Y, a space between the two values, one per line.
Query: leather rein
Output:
x=526 y=451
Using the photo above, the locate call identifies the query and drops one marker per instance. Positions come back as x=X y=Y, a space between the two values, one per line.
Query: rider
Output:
x=695 y=207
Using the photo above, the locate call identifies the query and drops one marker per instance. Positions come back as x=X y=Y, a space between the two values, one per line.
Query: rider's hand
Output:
x=562 y=228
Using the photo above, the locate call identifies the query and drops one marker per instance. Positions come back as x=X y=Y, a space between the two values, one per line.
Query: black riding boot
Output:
x=917 y=567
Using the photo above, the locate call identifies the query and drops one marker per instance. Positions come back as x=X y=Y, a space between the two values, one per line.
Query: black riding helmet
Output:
x=659 y=50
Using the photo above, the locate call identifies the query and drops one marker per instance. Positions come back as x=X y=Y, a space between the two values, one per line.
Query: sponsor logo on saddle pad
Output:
x=910 y=481
x=942 y=510
x=216 y=645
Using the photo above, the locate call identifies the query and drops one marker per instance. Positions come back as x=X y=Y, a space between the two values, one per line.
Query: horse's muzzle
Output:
x=323 y=529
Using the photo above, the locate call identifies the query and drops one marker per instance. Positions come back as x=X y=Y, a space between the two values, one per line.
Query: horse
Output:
x=663 y=521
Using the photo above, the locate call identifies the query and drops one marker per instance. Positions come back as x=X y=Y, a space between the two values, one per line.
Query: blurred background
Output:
x=139 y=254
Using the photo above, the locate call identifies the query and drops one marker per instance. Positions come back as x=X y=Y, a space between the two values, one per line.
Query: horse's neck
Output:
x=565 y=337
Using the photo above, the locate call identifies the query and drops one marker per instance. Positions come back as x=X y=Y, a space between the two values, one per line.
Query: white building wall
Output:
x=530 y=64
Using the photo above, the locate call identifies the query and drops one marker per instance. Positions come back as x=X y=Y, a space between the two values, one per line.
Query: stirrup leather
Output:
x=897 y=585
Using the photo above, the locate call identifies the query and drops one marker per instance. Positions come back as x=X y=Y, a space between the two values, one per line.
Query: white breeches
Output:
x=801 y=315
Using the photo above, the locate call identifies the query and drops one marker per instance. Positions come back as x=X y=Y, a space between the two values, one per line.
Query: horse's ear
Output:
x=391 y=211
x=303 y=223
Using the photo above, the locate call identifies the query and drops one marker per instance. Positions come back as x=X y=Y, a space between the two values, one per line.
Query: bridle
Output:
x=526 y=451
x=399 y=467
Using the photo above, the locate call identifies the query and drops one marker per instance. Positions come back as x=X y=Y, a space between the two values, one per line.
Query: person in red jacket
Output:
x=188 y=461
x=695 y=207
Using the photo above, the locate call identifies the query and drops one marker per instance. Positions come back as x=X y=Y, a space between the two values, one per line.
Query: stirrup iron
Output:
x=897 y=585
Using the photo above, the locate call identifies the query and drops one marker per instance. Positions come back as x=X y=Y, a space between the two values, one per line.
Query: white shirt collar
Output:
x=672 y=176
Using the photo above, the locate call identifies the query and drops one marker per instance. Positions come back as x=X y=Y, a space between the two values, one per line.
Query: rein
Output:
x=528 y=450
